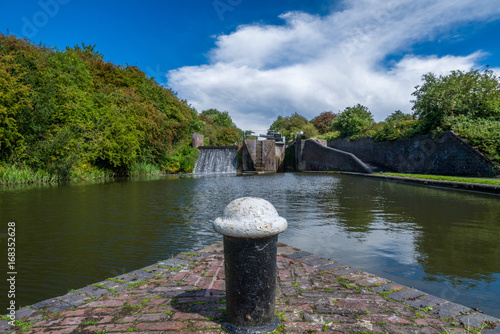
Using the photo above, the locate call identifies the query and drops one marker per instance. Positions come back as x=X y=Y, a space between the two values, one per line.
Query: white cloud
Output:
x=311 y=64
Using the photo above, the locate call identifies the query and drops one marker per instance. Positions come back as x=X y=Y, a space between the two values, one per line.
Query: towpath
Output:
x=187 y=294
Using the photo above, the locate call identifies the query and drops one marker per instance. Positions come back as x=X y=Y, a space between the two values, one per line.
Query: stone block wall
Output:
x=313 y=156
x=444 y=154
x=198 y=140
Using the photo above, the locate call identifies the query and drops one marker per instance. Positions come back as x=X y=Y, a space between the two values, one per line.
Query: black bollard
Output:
x=250 y=227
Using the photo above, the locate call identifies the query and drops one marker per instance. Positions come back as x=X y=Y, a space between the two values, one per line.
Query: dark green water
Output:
x=446 y=243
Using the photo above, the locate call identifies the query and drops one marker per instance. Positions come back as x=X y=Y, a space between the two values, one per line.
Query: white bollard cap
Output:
x=250 y=217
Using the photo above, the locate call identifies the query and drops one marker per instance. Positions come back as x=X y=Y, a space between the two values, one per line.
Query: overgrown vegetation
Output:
x=467 y=103
x=219 y=129
x=71 y=115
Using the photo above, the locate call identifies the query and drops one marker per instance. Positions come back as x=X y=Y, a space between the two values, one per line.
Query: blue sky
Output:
x=260 y=59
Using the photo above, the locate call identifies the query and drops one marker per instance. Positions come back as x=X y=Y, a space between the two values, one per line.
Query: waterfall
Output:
x=217 y=159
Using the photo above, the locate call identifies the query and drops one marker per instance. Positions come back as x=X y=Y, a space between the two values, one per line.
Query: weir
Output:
x=217 y=159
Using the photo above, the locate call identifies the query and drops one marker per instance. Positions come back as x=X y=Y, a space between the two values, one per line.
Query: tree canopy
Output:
x=472 y=94
x=294 y=126
x=219 y=129
x=467 y=103
x=323 y=122
x=353 y=120
x=72 y=114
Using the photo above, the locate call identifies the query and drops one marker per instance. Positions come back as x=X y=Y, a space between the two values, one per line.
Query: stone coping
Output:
x=476 y=187
x=187 y=294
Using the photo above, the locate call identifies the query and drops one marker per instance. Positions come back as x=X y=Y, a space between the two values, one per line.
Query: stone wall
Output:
x=198 y=140
x=444 y=154
x=313 y=156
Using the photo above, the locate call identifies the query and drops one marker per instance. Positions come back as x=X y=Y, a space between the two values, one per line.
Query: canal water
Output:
x=443 y=242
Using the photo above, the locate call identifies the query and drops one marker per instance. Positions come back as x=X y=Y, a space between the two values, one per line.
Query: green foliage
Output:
x=183 y=161
x=219 y=129
x=323 y=122
x=390 y=130
x=14 y=100
x=219 y=118
x=399 y=116
x=144 y=168
x=353 y=120
x=472 y=94
x=228 y=136
x=291 y=126
x=329 y=136
x=467 y=103
x=72 y=115
x=482 y=133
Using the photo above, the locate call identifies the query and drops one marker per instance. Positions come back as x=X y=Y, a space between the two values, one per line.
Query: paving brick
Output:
x=153 y=317
x=24 y=312
x=298 y=255
x=317 y=262
x=206 y=325
x=475 y=319
x=331 y=266
x=449 y=310
x=159 y=326
x=302 y=327
x=425 y=301
x=191 y=299
x=406 y=294
x=187 y=316
x=63 y=330
x=105 y=303
x=389 y=287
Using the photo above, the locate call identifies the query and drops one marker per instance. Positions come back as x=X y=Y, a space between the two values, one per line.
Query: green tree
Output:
x=70 y=113
x=219 y=118
x=219 y=129
x=353 y=120
x=227 y=136
x=291 y=126
x=14 y=100
x=399 y=116
x=473 y=94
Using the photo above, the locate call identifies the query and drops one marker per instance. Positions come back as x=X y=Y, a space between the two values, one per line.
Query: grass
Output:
x=12 y=174
x=19 y=174
x=448 y=178
x=144 y=168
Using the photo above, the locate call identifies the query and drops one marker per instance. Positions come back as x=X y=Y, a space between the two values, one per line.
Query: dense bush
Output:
x=329 y=136
x=482 y=133
x=294 y=126
x=353 y=120
x=473 y=94
x=219 y=129
x=71 y=114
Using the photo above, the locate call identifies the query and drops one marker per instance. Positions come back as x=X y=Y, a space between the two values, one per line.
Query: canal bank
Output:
x=186 y=293
x=464 y=186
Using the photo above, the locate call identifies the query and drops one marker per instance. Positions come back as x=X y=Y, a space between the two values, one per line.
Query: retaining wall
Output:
x=313 y=156
x=444 y=154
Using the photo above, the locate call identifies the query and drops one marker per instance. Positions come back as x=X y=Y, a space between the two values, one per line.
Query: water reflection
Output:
x=440 y=241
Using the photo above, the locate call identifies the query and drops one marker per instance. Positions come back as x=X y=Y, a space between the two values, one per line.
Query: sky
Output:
x=259 y=59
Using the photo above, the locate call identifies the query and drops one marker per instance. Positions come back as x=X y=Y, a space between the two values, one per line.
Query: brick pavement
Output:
x=187 y=294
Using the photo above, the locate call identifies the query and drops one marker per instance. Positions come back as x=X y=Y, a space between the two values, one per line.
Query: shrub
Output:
x=353 y=120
